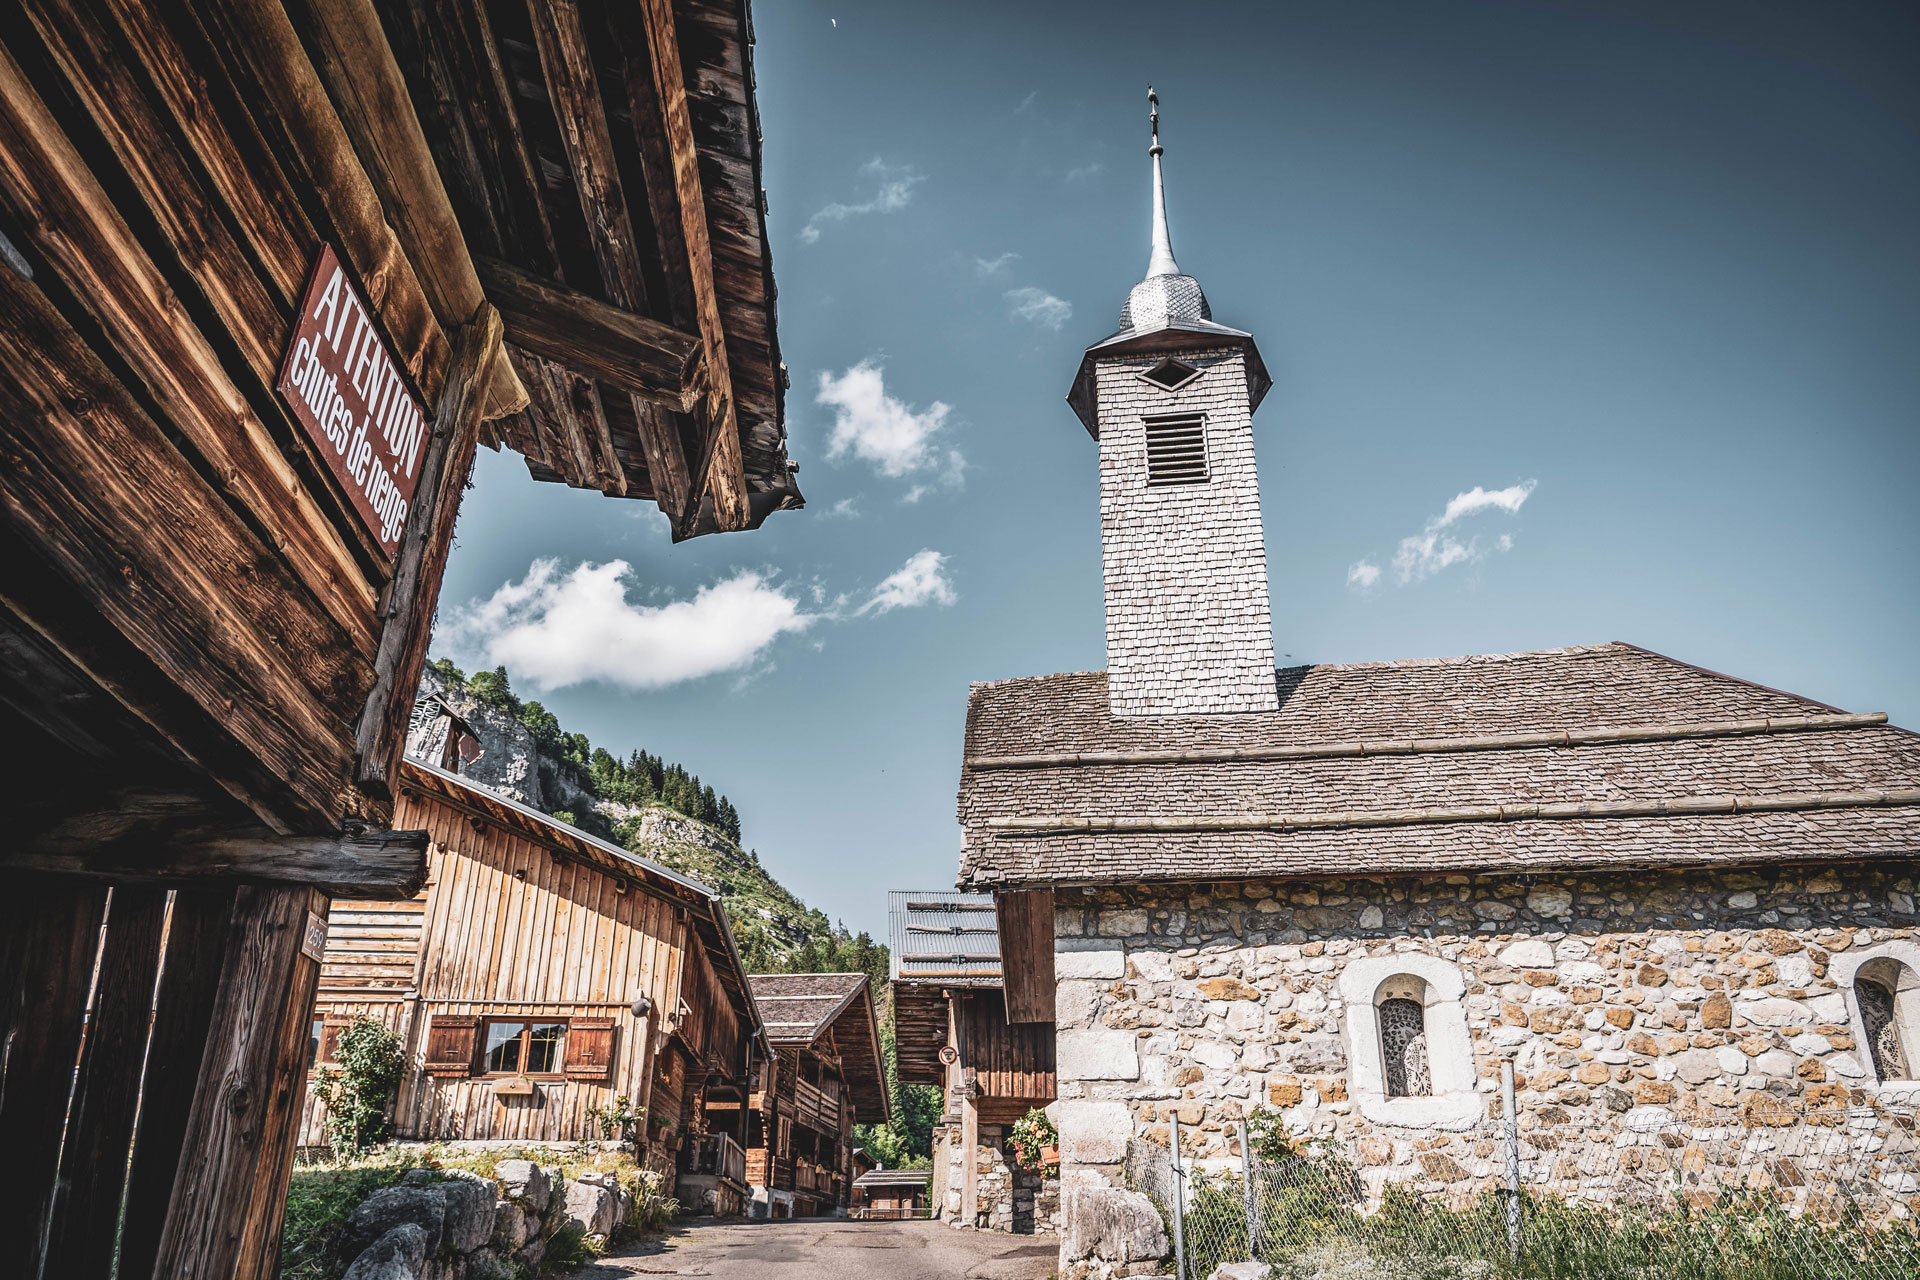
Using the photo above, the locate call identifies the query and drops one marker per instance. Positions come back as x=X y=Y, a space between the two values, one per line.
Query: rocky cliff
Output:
x=765 y=915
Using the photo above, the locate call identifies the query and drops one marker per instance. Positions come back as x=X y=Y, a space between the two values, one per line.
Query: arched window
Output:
x=1409 y=1051
x=1403 y=1040
x=1882 y=987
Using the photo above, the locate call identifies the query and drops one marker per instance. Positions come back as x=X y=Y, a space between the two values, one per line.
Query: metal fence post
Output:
x=1510 y=1133
x=1179 y=1208
x=1253 y=1200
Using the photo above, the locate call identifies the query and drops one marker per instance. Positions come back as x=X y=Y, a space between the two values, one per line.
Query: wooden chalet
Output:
x=270 y=271
x=825 y=1076
x=952 y=1028
x=541 y=973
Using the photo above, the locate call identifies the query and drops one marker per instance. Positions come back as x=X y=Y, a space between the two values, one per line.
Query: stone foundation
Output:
x=1009 y=1198
x=1693 y=993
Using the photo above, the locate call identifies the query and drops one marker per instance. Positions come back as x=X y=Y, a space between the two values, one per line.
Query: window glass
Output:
x=503 y=1045
x=1403 y=1044
x=543 y=1046
x=313 y=1041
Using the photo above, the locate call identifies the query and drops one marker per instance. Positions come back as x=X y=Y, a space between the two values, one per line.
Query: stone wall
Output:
x=1612 y=994
x=454 y=1225
x=1008 y=1199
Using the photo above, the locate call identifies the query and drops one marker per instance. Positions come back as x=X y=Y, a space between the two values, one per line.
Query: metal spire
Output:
x=1162 y=263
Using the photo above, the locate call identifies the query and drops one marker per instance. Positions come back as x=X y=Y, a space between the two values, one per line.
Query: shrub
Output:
x=618 y=1120
x=356 y=1094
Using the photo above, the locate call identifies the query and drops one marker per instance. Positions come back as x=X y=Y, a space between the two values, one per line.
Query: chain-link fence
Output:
x=1733 y=1195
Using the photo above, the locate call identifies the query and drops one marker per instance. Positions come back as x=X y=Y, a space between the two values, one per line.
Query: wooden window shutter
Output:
x=330 y=1038
x=590 y=1048
x=450 y=1044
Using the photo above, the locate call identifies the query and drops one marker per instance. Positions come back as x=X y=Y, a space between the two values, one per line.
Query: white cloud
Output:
x=995 y=266
x=845 y=509
x=1078 y=172
x=1040 y=307
x=555 y=628
x=1478 y=499
x=1363 y=574
x=1026 y=102
x=1433 y=550
x=892 y=194
x=875 y=427
x=921 y=580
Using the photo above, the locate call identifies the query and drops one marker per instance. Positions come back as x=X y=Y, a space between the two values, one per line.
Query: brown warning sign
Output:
x=343 y=384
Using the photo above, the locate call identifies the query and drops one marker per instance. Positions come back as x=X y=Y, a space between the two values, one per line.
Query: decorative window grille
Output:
x=1883 y=1029
x=1403 y=1045
x=1176 y=450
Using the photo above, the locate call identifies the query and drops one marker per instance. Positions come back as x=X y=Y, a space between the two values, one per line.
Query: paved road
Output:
x=831 y=1249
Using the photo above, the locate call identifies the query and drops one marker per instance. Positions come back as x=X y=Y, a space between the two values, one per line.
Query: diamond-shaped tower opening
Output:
x=1171 y=374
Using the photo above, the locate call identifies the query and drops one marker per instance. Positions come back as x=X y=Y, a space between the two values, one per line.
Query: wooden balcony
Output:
x=818 y=1106
x=715 y=1153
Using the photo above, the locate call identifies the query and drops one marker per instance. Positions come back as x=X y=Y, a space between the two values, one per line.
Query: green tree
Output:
x=452 y=675
x=494 y=689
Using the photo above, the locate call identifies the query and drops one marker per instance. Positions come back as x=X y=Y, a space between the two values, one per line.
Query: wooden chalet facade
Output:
x=825 y=1076
x=542 y=973
x=952 y=1028
x=270 y=272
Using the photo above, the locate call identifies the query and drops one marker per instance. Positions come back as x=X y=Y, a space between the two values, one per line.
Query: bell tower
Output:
x=1170 y=400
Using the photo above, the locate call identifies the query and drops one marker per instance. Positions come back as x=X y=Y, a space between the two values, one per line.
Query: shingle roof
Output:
x=1667 y=763
x=797 y=1007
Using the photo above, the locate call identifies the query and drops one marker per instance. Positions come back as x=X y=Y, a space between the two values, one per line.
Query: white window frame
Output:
x=1455 y=1102
x=1843 y=970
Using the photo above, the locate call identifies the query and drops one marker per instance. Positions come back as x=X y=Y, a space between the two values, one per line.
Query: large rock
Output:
x=525 y=1181
x=509 y=1225
x=398 y=1255
x=592 y=1207
x=469 y=1218
x=1114 y=1225
x=423 y=1206
x=1242 y=1271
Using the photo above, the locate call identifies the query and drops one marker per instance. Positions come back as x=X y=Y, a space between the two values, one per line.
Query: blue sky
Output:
x=1647 y=276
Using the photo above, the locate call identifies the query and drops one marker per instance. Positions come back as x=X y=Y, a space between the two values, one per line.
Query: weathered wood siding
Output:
x=505 y=928
x=1008 y=1060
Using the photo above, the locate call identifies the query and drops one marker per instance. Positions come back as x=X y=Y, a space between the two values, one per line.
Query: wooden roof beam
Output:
x=368 y=91
x=653 y=361
x=720 y=470
x=567 y=63
x=168 y=838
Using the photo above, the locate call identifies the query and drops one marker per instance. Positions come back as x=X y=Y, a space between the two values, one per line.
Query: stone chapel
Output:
x=1350 y=891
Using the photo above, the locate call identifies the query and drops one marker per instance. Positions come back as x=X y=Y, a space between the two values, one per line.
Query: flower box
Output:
x=518 y=1087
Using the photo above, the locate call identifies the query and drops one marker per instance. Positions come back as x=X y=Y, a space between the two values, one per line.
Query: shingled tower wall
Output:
x=1189 y=625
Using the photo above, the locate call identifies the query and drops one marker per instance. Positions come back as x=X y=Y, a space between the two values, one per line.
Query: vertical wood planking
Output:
x=247 y=1097
x=46 y=965
x=182 y=1015
x=93 y=1158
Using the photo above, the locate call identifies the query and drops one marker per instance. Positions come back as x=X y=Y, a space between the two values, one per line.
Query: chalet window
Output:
x=521 y=1048
x=1883 y=1032
x=1176 y=450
